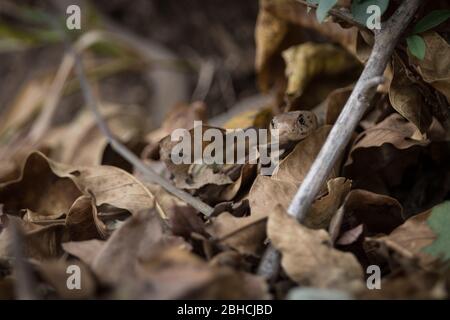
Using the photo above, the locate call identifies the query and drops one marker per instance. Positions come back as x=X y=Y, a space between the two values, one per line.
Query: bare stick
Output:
x=333 y=147
x=385 y=42
x=205 y=79
x=123 y=150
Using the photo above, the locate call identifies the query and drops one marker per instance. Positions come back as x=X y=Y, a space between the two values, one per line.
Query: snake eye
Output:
x=301 y=120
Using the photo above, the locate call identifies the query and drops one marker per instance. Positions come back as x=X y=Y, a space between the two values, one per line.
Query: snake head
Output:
x=294 y=126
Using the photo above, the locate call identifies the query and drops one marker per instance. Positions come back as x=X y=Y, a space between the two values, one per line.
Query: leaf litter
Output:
x=76 y=201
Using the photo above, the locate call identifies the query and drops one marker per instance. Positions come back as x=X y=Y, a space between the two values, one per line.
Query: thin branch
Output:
x=340 y=14
x=358 y=103
x=334 y=147
x=204 y=82
x=124 y=151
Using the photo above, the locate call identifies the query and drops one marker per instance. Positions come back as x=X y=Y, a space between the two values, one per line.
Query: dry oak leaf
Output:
x=296 y=165
x=178 y=274
x=213 y=183
x=417 y=284
x=378 y=213
x=434 y=68
x=257 y=118
x=83 y=144
x=60 y=185
x=335 y=103
x=296 y=13
x=308 y=256
x=132 y=242
x=309 y=60
x=151 y=264
x=406 y=98
x=40 y=242
x=269 y=34
x=54 y=273
x=423 y=237
x=381 y=154
x=39 y=189
x=410 y=238
x=107 y=184
x=181 y=116
x=191 y=176
x=27 y=103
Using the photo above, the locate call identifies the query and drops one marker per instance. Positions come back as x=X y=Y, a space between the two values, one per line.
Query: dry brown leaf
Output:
x=82 y=143
x=106 y=184
x=81 y=222
x=182 y=116
x=335 y=103
x=324 y=208
x=296 y=13
x=259 y=118
x=110 y=195
x=39 y=189
x=416 y=285
x=187 y=175
x=406 y=98
x=304 y=153
x=213 y=183
x=308 y=256
x=382 y=153
x=411 y=238
x=434 y=69
x=40 y=242
x=269 y=34
x=151 y=264
x=177 y=274
x=86 y=250
x=378 y=213
x=134 y=240
x=26 y=105
x=184 y=221
x=54 y=273
x=310 y=60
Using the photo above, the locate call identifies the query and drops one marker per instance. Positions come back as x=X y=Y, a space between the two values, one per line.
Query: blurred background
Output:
x=208 y=56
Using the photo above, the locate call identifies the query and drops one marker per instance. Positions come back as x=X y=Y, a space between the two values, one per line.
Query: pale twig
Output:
x=125 y=152
x=205 y=79
x=386 y=40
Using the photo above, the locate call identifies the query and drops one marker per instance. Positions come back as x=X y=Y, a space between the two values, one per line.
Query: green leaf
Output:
x=417 y=46
x=324 y=7
x=439 y=222
x=359 y=9
x=431 y=20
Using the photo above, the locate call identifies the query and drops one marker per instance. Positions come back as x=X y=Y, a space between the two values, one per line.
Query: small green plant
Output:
x=359 y=10
x=416 y=44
